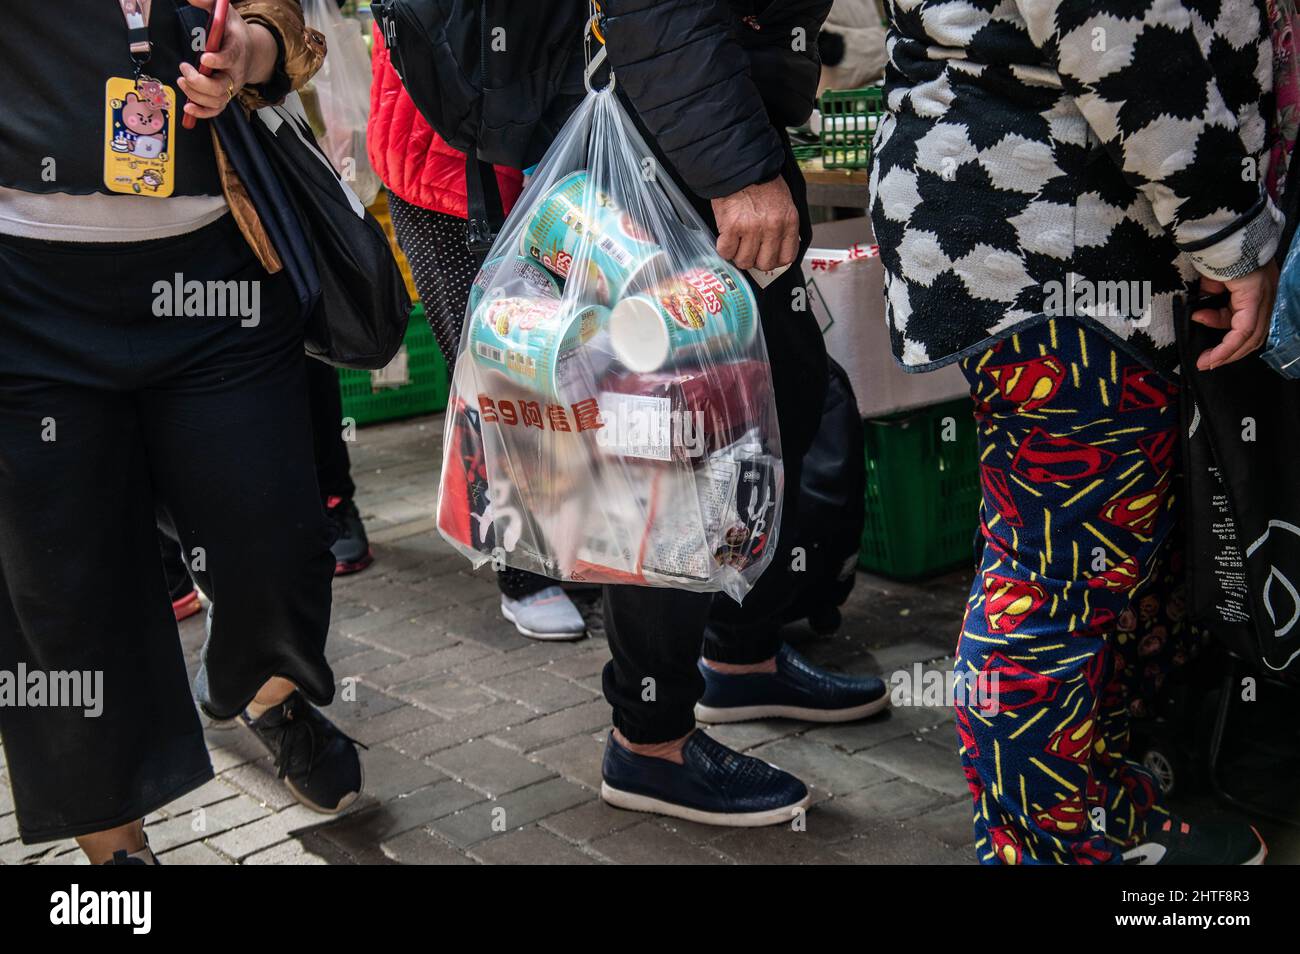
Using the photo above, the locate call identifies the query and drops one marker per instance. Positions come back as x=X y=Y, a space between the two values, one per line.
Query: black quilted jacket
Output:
x=713 y=80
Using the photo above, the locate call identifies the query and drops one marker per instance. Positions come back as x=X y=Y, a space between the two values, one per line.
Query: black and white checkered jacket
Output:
x=1084 y=157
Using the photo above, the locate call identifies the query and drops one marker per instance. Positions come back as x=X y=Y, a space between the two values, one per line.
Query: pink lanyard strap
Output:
x=136 y=13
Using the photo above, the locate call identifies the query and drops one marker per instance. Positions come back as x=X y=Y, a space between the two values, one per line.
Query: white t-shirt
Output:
x=59 y=217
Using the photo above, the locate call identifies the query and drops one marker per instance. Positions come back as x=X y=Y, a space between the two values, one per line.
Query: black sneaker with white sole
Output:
x=1218 y=842
x=318 y=762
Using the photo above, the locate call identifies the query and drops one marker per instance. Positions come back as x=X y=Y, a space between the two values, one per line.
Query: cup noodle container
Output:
x=707 y=308
x=620 y=252
x=512 y=276
x=539 y=343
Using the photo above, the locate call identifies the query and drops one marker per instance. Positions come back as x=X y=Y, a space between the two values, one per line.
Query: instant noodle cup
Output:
x=621 y=254
x=512 y=276
x=537 y=342
x=708 y=307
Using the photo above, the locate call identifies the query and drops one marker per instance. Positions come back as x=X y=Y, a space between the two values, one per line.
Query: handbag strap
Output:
x=483 y=205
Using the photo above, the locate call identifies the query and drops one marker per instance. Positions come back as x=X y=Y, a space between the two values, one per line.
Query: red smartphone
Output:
x=216 y=29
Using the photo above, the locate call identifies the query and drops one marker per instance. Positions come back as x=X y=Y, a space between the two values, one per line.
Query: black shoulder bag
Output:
x=334 y=252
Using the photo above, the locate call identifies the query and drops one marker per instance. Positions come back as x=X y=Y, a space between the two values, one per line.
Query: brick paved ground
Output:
x=485 y=747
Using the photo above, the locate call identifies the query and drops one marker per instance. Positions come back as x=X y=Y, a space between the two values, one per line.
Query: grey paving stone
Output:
x=540 y=691
x=231 y=744
x=260 y=781
x=473 y=725
x=390 y=774
x=577 y=759
x=893 y=800
x=521 y=807
x=821 y=766
x=588 y=662
x=358 y=664
x=652 y=844
x=895 y=844
x=402 y=719
x=590 y=820
x=361 y=834
x=239 y=843
x=529 y=846
x=417 y=636
x=291 y=852
x=951 y=824
x=488 y=767
x=208 y=794
x=447 y=696
x=483 y=623
x=890 y=725
x=421 y=847
x=533 y=655
x=438 y=659
x=206 y=822
x=584 y=718
x=193 y=853
x=743 y=736
x=777 y=845
x=919 y=762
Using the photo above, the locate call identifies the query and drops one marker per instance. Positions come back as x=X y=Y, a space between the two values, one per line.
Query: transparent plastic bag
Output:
x=341 y=89
x=611 y=416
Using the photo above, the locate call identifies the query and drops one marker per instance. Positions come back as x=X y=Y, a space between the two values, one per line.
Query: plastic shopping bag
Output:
x=341 y=90
x=611 y=416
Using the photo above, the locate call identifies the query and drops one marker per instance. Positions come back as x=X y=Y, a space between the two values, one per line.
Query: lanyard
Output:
x=136 y=13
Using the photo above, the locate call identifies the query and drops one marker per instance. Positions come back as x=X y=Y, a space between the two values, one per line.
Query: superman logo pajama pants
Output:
x=1075 y=610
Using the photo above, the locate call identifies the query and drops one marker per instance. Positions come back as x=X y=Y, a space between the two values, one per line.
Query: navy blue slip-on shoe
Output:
x=714 y=786
x=797 y=690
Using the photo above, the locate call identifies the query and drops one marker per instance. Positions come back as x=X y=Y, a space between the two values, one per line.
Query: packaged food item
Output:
x=707 y=307
x=463 y=516
x=620 y=251
x=684 y=414
x=673 y=527
x=535 y=341
x=522 y=278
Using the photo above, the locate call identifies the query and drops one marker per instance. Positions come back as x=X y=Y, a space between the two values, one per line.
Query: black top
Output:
x=55 y=59
x=713 y=81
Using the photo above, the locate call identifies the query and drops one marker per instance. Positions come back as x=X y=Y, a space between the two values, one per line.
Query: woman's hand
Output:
x=247 y=56
x=1246 y=318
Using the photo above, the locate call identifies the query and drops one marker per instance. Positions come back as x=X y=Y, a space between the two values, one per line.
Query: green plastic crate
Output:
x=923 y=492
x=849 y=118
x=367 y=401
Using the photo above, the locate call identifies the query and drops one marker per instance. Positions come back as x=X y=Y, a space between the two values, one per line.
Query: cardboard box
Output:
x=846 y=293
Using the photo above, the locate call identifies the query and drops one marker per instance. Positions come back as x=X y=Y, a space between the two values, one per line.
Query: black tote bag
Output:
x=360 y=319
x=334 y=252
x=1241 y=439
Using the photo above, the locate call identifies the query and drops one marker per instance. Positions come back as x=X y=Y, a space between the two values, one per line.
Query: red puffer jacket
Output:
x=409 y=157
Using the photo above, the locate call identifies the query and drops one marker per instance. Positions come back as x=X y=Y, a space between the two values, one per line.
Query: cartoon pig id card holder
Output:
x=139 y=133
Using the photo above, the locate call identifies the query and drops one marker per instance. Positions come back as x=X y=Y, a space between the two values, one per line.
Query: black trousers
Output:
x=105 y=406
x=656 y=634
x=333 y=467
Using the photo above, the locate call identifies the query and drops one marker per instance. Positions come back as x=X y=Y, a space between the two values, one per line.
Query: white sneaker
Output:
x=548 y=614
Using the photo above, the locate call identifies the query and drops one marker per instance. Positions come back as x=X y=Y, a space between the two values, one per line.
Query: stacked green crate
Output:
x=849 y=118
x=414 y=383
x=923 y=491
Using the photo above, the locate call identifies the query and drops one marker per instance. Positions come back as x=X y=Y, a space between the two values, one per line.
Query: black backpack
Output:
x=496 y=79
x=832 y=510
